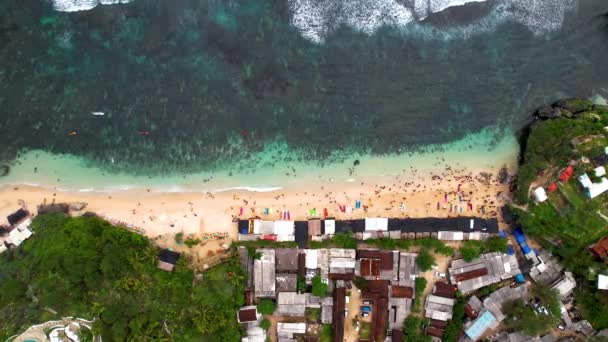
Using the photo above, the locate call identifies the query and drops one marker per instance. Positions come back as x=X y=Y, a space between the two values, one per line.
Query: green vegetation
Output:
x=452 y=330
x=266 y=306
x=472 y=249
x=412 y=329
x=301 y=285
x=85 y=267
x=190 y=242
x=327 y=333
x=548 y=146
x=568 y=222
x=548 y=297
x=521 y=317
x=420 y=284
x=339 y=240
x=319 y=288
x=360 y=283
x=594 y=306
x=426 y=243
x=366 y=330
x=425 y=260
x=265 y=244
x=313 y=314
x=179 y=238
x=265 y=324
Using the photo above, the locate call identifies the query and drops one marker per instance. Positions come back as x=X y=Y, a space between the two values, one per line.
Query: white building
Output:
x=540 y=195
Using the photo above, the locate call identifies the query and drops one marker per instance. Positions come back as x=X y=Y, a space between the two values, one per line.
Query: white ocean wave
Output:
x=317 y=18
x=83 y=5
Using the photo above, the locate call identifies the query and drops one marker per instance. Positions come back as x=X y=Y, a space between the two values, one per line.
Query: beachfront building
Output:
x=448 y=229
x=593 y=189
x=248 y=314
x=290 y=331
x=17 y=231
x=488 y=314
x=264 y=274
x=564 y=285
x=167 y=260
x=548 y=271
x=438 y=308
x=488 y=269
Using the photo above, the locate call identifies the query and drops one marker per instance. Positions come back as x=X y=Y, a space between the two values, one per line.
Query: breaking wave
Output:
x=315 y=19
x=83 y=5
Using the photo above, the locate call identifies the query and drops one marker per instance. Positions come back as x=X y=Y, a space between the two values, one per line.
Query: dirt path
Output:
x=350 y=333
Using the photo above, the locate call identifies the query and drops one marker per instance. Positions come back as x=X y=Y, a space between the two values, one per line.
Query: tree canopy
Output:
x=425 y=260
x=86 y=267
x=319 y=288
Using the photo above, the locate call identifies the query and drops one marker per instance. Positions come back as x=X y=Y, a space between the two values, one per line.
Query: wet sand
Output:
x=445 y=192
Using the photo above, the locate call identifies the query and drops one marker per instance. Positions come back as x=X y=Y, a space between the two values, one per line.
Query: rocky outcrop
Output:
x=568 y=107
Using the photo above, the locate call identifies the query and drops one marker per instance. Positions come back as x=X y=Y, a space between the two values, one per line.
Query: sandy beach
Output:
x=443 y=192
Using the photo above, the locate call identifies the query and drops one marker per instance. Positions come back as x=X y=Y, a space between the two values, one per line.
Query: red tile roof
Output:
x=385 y=257
x=471 y=313
x=445 y=290
x=247 y=315
x=402 y=292
x=439 y=324
x=566 y=174
x=341 y=276
x=472 y=274
x=431 y=331
x=397 y=335
x=338 y=313
x=380 y=317
x=600 y=249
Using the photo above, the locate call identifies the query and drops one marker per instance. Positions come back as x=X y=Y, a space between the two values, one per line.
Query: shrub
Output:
x=425 y=260
x=266 y=306
x=319 y=288
x=265 y=324
x=179 y=238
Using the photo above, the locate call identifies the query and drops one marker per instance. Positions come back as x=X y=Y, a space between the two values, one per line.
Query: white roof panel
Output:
x=330 y=226
x=376 y=224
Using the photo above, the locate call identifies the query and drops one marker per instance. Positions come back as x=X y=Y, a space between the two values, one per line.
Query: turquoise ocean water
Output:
x=98 y=95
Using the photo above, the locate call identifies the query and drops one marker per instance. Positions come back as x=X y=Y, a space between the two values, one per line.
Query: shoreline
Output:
x=411 y=193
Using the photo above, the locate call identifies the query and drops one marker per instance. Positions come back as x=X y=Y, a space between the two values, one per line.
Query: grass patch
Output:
x=313 y=314
x=366 y=330
x=327 y=333
x=420 y=284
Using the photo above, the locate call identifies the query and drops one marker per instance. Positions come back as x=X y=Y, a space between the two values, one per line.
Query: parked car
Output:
x=367 y=302
x=440 y=274
x=365 y=314
x=347 y=299
x=366 y=309
x=345 y=312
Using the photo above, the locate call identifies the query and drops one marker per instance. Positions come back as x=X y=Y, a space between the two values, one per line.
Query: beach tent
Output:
x=376 y=224
x=540 y=195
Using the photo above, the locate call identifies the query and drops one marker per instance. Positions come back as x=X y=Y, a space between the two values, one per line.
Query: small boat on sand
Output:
x=98 y=113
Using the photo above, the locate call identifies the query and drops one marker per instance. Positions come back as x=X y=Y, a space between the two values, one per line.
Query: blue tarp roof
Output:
x=511 y=250
x=502 y=233
x=520 y=278
x=526 y=248
x=481 y=324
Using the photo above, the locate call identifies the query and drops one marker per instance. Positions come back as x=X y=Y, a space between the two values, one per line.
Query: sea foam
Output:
x=83 y=5
x=315 y=19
